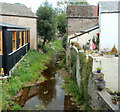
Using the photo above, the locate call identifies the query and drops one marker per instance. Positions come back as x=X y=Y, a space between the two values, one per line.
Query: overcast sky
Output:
x=34 y=4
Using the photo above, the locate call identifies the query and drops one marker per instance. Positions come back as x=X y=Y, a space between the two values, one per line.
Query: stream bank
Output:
x=47 y=95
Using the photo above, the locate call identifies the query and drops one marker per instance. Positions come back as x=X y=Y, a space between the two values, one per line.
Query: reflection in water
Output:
x=48 y=94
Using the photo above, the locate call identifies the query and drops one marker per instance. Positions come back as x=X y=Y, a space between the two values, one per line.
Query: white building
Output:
x=109 y=13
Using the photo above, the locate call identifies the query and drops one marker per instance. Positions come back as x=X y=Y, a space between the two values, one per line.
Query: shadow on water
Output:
x=47 y=95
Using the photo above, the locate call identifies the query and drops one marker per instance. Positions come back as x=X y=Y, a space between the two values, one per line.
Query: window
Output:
x=20 y=38
x=28 y=36
x=14 y=40
x=0 y=42
x=25 y=37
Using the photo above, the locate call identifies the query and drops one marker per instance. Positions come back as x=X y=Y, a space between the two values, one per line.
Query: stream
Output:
x=49 y=94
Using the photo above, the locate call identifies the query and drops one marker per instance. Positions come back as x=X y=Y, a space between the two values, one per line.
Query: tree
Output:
x=46 y=22
x=62 y=23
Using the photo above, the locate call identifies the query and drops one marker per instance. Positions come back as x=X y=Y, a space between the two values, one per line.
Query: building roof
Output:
x=11 y=25
x=15 y=10
x=109 y=6
x=84 y=31
x=82 y=11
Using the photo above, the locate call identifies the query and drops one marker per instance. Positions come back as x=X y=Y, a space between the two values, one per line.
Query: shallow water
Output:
x=48 y=95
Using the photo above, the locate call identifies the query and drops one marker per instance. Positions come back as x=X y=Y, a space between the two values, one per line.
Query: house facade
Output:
x=19 y=14
x=80 y=17
x=109 y=15
x=14 y=44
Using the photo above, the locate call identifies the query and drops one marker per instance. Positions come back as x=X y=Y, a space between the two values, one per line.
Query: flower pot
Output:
x=100 y=89
x=100 y=79
x=114 y=101
x=98 y=71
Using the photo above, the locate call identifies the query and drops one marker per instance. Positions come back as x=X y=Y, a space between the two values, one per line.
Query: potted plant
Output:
x=72 y=43
x=118 y=93
x=99 y=87
x=76 y=44
x=99 y=70
x=79 y=48
x=114 y=100
x=100 y=78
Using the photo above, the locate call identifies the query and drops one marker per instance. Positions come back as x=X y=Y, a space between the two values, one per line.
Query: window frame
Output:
x=28 y=36
x=14 y=39
x=20 y=38
x=1 y=41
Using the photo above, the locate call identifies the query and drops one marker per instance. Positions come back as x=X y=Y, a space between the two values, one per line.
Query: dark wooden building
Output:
x=14 y=44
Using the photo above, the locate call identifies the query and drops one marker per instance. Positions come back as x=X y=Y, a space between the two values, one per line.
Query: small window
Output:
x=14 y=40
x=20 y=38
x=1 y=42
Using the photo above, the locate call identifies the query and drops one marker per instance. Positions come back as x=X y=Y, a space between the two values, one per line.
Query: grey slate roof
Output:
x=10 y=25
x=16 y=10
x=109 y=6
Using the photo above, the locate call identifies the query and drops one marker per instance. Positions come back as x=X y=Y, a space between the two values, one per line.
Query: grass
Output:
x=79 y=94
x=57 y=44
x=28 y=70
x=70 y=86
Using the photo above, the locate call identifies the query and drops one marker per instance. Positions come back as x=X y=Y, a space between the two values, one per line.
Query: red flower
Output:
x=98 y=34
x=77 y=44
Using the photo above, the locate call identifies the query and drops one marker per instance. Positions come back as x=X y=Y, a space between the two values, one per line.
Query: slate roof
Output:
x=109 y=6
x=84 y=31
x=10 y=25
x=82 y=11
x=15 y=10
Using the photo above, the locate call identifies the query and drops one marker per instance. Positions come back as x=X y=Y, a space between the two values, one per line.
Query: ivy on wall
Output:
x=73 y=61
x=85 y=70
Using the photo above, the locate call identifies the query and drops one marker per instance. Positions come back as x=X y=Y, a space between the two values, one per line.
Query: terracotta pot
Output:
x=114 y=102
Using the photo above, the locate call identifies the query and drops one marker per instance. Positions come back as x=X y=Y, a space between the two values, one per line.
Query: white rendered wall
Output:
x=110 y=70
x=109 y=30
x=85 y=37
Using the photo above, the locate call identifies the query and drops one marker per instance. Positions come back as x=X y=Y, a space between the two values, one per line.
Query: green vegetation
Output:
x=79 y=94
x=28 y=70
x=70 y=86
x=57 y=44
x=46 y=22
x=61 y=20
x=85 y=70
x=73 y=63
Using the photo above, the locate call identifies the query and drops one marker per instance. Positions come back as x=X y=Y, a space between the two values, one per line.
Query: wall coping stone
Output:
x=107 y=98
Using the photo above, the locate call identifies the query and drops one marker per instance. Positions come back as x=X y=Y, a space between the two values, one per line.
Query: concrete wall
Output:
x=75 y=25
x=85 y=37
x=26 y=22
x=110 y=70
x=100 y=100
x=109 y=30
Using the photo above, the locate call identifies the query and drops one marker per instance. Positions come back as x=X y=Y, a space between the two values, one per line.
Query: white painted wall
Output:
x=109 y=30
x=85 y=37
x=110 y=70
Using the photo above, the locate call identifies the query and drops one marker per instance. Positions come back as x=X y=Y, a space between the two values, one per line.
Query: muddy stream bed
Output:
x=47 y=95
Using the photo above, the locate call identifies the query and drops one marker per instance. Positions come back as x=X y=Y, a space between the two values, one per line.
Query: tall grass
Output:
x=29 y=69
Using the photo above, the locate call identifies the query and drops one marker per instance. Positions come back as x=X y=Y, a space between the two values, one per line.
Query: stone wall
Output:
x=80 y=17
x=100 y=100
x=26 y=22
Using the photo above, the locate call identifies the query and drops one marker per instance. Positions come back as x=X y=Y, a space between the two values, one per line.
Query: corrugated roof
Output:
x=16 y=9
x=109 y=6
